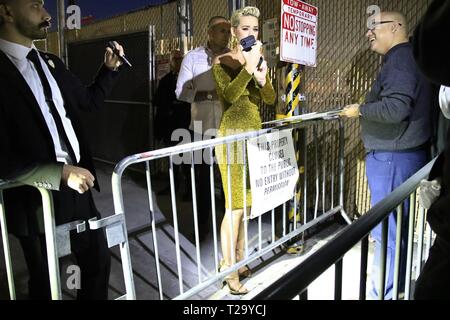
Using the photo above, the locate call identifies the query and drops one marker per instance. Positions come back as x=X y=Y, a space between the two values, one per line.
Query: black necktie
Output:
x=33 y=57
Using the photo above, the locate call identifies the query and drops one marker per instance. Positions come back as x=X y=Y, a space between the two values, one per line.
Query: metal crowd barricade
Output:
x=298 y=227
x=296 y=281
x=58 y=241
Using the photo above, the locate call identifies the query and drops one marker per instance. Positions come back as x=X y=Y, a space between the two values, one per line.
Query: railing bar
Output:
x=7 y=249
x=199 y=145
x=363 y=270
x=341 y=163
x=398 y=242
x=213 y=207
x=305 y=175
x=295 y=208
x=260 y=232
x=383 y=254
x=324 y=161
x=50 y=240
x=195 y=212
x=338 y=280
x=153 y=223
x=421 y=223
x=246 y=214
x=284 y=219
x=230 y=207
x=409 y=254
x=175 y=225
x=316 y=164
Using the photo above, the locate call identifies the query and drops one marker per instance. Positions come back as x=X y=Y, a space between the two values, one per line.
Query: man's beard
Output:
x=31 y=31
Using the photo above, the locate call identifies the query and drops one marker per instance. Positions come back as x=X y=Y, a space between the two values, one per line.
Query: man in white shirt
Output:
x=196 y=85
x=43 y=144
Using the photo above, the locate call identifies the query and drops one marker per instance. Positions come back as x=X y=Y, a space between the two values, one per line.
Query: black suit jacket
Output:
x=431 y=55
x=26 y=146
x=171 y=113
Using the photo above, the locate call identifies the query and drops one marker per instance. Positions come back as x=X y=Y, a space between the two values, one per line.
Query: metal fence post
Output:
x=50 y=240
x=7 y=250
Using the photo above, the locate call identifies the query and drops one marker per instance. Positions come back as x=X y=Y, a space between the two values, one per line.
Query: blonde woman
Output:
x=241 y=85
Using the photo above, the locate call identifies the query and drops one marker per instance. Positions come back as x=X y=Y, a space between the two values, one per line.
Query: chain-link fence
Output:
x=345 y=68
x=345 y=71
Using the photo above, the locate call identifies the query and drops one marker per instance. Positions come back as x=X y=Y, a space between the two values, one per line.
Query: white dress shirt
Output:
x=444 y=101
x=18 y=55
x=196 y=75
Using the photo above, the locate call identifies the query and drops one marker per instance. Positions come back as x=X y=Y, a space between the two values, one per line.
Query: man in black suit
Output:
x=42 y=144
x=172 y=114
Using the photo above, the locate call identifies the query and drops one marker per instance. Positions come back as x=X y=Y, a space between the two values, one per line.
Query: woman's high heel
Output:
x=234 y=286
x=232 y=281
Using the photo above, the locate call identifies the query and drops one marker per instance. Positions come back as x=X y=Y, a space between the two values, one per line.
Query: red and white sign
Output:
x=298 y=37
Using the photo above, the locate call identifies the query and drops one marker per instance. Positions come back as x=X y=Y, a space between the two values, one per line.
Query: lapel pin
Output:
x=51 y=63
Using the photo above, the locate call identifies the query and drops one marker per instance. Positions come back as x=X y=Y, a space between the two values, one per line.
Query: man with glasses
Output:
x=395 y=128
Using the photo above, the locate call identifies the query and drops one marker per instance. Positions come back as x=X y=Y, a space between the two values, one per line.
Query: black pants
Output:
x=203 y=191
x=89 y=247
x=203 y=186
x=434 y=280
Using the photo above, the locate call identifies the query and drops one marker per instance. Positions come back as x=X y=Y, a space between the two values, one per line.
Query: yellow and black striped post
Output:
x=292 y=80
x=293 y=77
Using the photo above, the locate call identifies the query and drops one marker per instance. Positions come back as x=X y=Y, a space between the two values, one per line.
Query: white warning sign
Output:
x=298 y=32
x=273 y=170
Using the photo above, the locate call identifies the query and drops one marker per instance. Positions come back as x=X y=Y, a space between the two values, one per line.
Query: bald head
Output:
x=386 y=30
x=397 y=17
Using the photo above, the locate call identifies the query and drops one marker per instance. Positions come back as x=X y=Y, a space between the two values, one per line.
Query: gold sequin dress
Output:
x=240 y=96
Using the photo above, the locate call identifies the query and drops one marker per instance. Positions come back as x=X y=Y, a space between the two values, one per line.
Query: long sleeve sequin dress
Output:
x=240 y=96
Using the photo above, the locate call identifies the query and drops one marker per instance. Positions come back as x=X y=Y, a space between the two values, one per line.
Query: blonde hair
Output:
x=247 y=11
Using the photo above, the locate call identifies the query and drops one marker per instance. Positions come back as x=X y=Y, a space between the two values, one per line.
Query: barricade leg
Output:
x=50 y=239
x=6 y=250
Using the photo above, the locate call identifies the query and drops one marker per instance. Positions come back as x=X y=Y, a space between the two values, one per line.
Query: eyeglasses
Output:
x=374 y=24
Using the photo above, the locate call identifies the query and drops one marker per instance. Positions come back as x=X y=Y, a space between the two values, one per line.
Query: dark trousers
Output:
x=89 y=248
x=434 y=280
x=203 y=190
x=203 y=186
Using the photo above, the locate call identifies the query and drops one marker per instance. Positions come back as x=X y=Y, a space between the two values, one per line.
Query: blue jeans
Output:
x=385 y=172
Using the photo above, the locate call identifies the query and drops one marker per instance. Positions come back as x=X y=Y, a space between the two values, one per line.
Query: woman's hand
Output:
x=252 y=57
x=260 y=74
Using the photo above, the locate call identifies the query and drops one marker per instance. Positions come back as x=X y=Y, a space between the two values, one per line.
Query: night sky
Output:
x=101 y=9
